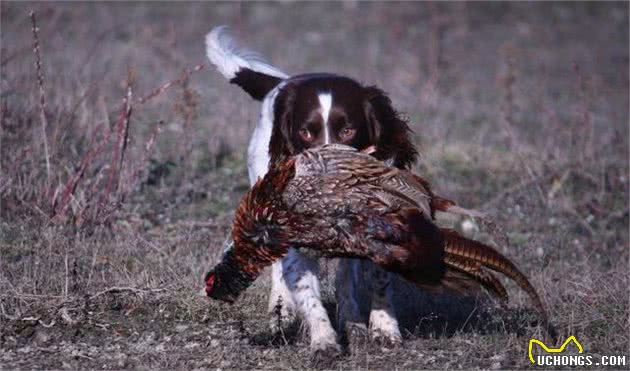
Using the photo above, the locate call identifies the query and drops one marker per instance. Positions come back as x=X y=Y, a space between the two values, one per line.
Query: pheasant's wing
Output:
x=404 y=241
x=332 y=214
x=392 y=186
x=409 y=189
x=336 y=159
x=331 y=195
x=404 y=185
x=399 y=187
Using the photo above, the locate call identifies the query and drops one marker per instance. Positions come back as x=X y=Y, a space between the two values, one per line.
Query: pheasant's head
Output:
x=216 y=289
x=228 y=279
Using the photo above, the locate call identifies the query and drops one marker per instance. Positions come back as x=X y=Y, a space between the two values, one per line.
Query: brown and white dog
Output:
x=300 y=112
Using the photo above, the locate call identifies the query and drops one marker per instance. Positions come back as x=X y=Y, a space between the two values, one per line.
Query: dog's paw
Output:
x=386 y=339
x=384 y=328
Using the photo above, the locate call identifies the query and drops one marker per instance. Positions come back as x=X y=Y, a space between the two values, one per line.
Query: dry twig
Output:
x=162 y=88
x=122 y=129
x=116 y=290
x=42 y=95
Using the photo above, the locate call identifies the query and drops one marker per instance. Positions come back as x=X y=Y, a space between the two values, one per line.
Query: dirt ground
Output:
x=520 y=109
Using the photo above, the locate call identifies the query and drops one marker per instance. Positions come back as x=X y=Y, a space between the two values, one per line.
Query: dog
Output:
x=300 y=112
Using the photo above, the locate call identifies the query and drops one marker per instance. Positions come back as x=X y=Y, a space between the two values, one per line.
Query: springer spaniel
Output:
x=300 y=112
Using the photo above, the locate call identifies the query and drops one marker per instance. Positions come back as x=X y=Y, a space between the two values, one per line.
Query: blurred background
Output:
x=128 y=174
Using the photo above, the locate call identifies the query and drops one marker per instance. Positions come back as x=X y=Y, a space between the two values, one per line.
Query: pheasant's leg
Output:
x=281 y=304
x=300 y=273
x=349 y=278
x=383 y=322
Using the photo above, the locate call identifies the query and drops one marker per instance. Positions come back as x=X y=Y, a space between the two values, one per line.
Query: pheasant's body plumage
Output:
x=339 y=202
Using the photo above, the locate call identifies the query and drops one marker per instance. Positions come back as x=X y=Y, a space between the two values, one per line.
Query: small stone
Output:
x=191 y=345
x=469 y=227
x=42 y=336
x=226 y=363
x=181 y=328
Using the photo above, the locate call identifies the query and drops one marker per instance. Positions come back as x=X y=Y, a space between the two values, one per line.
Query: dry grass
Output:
x=110 y=219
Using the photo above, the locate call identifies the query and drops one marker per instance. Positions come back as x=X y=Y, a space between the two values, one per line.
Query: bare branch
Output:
x=116 y=290
x=159 y=90
x=42 y=95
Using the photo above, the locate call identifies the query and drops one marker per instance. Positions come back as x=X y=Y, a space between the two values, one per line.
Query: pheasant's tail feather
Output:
x=474 y=258
x=473 y=271
x=492 y=283
x=459 y=282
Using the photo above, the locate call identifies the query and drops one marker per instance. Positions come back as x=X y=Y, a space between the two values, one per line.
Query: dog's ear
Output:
x=281 y=144
x=387 y=129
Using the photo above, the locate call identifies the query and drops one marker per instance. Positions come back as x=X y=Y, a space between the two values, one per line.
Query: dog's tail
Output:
x=242 y=67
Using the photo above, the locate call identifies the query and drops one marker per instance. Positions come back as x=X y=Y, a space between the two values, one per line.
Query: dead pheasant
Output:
x=339 y=202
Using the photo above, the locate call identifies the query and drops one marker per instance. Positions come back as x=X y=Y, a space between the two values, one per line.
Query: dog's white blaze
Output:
x=325 y=102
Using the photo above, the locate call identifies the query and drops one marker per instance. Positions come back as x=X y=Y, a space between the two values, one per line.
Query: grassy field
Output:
x=117 y=191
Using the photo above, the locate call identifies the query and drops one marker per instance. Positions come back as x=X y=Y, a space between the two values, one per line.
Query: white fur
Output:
x=325 y=103
x=229 y=58
x=383 y=323
x=258 y=150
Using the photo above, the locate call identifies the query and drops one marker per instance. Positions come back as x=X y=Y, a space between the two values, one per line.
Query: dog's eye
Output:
x=347 y=133
x=306 y=135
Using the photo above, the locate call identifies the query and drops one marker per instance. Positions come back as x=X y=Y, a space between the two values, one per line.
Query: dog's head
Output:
x=316 y=109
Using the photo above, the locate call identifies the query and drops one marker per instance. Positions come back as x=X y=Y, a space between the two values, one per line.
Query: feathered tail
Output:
x=241 y=66
x=467 y=259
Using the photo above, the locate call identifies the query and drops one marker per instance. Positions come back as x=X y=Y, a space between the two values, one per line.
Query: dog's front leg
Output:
x=348 y=281
x=300 y=273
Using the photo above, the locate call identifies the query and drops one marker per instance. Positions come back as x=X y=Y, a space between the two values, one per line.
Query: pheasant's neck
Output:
x=259 y=244
x=261 y=230
x=261 y=226
x=232 y=279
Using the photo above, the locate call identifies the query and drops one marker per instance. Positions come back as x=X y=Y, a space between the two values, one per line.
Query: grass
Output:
x=110 y=219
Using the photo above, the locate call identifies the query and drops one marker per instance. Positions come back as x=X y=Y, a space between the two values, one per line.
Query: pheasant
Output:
x=336 y=201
